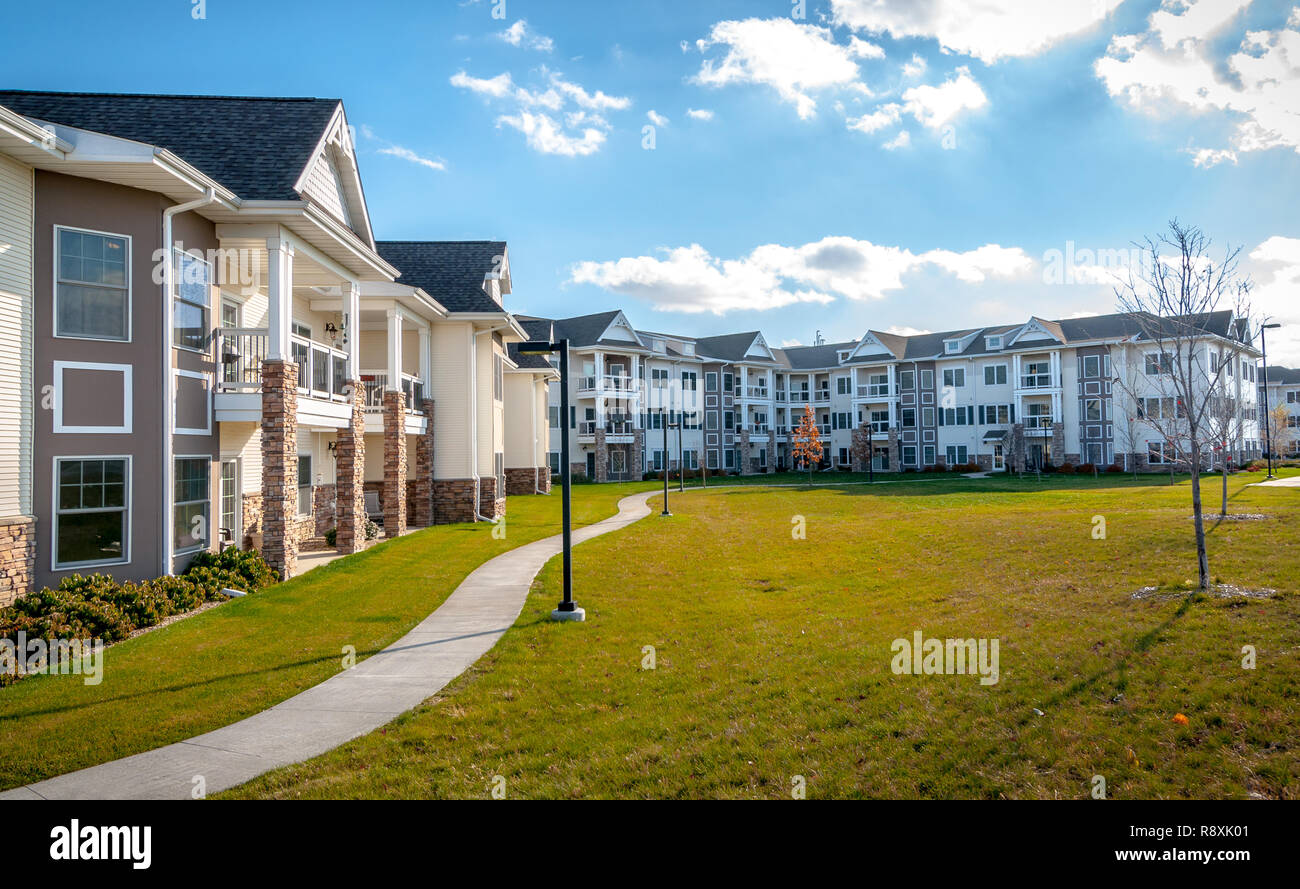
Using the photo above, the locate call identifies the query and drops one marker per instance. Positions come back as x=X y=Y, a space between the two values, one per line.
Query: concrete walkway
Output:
x=346 y=706
x=1293 y=482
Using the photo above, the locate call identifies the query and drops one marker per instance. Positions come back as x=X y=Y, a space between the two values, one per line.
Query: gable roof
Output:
x=256 y=147
x=537 y=329
x=728 y=346
x=800 y=357
x=1276 y=374
x=452 y=272
x=587 y=330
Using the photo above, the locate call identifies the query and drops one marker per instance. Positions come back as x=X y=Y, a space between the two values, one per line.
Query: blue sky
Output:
x=799 y=205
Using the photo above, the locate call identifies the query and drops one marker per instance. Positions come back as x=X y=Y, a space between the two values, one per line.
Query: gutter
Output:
x=168 y=393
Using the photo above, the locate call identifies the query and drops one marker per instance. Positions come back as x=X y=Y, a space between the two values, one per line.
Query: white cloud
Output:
x=699 y=114
x=934 y=106
x=864 y=50
x=1276 y=269
x=987 y=30
x=409 y=155
x=584 y=127
x=794 y=59
x=656 y=118
x=884 y=116
x=1171 y=66
x=914 y=68
x=1209 y=157
x=519 y=34
x=790 y=344
x=544 y=134
x=689 y=279
x=904 y=330
x=902 y=140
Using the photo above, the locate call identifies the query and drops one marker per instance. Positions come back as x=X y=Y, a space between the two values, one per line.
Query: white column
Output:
x=394 y=350
x=352 y=326
x=279 y=297
x=426 y=360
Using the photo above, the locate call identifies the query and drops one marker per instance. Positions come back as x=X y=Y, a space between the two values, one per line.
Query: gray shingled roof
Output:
x=729 y=346
x=586 y=330
x=537 y=329
x=452 y=272
x=256 y=147
x=807 y=357
x=1277 y=374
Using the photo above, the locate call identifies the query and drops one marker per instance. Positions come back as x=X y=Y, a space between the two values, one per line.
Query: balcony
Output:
x=612 y=385
x=800 y=396
x=874 y=390
x=1036 y=381
x=1039 y=425
x=618 y=430
x=756 y=392
x=822 y=396
x=375 y=383
x=322 y=378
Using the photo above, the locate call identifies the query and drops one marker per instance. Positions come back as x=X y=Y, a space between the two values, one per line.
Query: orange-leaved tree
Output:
x=808 y=441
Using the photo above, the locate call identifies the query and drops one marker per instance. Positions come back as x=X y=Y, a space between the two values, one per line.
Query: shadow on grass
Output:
x=1143 y=643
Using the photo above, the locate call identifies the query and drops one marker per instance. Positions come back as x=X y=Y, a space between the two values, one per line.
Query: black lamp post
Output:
x=1268 y=420
x=567 y=609
x=663 y=423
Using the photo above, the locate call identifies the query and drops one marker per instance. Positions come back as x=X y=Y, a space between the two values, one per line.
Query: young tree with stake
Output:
x=807 y=441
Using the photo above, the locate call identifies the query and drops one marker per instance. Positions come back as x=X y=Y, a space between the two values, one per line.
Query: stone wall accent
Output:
x=490 y=505
x=394 y=463
x=17 y=557
x=252 y=524
x=771 y=449
x=350 y=476
x=1015 y=454
x=544 y=479
x=859 y=452
x=638 y=455
x=895 y=452
x=280 y=465
x=602 y=457
x=454 y=500
x=746 y=464
x=323 y=508
x=422 y=510
x=523 y=481
x=1058 y=444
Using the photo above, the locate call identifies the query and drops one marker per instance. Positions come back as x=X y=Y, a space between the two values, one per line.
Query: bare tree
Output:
x=1171 y=302
x=1280 y=431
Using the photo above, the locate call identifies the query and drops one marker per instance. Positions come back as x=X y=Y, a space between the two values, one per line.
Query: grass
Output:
x=773 y=655
x=232 y=661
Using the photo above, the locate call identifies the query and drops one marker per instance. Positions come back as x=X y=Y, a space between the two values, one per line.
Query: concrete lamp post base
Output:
x=577 y=614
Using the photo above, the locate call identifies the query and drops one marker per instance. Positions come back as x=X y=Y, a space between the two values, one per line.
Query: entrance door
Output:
x=591 y=465
x=999 y=458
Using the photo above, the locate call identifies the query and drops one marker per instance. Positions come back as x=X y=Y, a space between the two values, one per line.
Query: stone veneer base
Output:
x=17 y=556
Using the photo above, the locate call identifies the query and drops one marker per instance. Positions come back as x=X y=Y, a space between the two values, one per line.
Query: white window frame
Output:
x=177 y=253
x=1006 y=375
x=193 y=375
x=207 y=539
x=55 y=511
x=54 y=297
x=60 y=427
x=311 y=484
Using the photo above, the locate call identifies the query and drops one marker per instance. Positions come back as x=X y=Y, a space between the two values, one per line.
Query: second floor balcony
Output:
x=240 y=352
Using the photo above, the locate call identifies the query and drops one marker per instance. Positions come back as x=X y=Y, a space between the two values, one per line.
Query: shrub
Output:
x=1114 y=467
x=1089 y=468
x=332 y=536
x=99 y=607
x=1066 y=469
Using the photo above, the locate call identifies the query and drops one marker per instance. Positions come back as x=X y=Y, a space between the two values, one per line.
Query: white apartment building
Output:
x=1005 y=397
x=1283 y=389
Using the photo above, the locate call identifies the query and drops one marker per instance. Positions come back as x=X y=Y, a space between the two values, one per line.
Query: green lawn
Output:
x=773 y=655
x=249 y=654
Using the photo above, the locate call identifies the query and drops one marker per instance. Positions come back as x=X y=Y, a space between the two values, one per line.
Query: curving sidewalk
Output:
x=346 y=706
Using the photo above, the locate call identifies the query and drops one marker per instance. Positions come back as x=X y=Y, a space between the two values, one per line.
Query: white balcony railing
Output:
x=1036 y=381
x=756 y=392
x=874 y=390
x=822 y=395
x=322 y=369
x=240 y=353
x=375 y=383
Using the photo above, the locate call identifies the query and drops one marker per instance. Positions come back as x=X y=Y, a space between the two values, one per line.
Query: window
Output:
x=1092 y=365
x=191 y=296
x=928 y=455
x=1037 y=375
x=1092 y=410
x=993 y=343
x=952 y=346
x=844 y=456
x=906 y=380
x=927 y=416
x=1161 y=453
x=995 y=375
x=842 y=385
x=689 y=381
x=1157 y=363
x=727 y=382
x=618 y=462
x=231 y=508
x=554 y=459
x=728 y=420
x=713 y=459
x=957 y=416
x=711 y=381
x=91 y=512
x=730 y=458
x=880 y=421
x=909 y=455
x=909 y=418
x=997 y=414
x=498 y=377
x=927 y=379
x=657 y=460
x=499 y=464
x=92 y=292
x=954 y=377
x=689 y=459
x=304 y=485
x=659 y=378
x=190 y=503
x=554 y=414
x=711 y=420
x=957 y=455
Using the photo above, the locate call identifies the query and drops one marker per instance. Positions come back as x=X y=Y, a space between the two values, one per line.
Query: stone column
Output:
x=746 y=465
x=350 y=475
x=858 y=451
x=602 y=457
x=1058 y=444
x=280 y=465
x=423 y=516
x=638 y=453
x=895 y=452
x=394 y=463
x=17 y=557
x=771 y=448
x=1015 y=455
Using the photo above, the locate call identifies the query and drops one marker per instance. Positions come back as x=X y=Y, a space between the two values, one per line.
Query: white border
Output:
x=54 y=510
x=207 y=541
x=177 y=429
x=130 y=289
x=62 y=428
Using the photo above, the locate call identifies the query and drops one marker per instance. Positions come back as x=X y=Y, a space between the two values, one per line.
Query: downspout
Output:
x=168 y=413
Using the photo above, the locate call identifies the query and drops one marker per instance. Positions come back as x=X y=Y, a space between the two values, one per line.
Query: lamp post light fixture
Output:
x=1268 y=420
x=567 y=609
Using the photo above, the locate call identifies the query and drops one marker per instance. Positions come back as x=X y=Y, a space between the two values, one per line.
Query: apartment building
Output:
x=1004 y=397
x=207 y=346
x=1283 y=386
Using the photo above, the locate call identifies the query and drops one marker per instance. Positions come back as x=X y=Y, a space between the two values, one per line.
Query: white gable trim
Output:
x=1033 y=325
x=758 y=349
x=337 y=148
x=620 y=320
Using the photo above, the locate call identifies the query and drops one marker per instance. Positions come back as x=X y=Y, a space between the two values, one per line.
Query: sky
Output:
x=828 y=166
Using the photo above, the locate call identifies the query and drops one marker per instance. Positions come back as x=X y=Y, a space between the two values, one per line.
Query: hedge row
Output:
x=99 y=607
